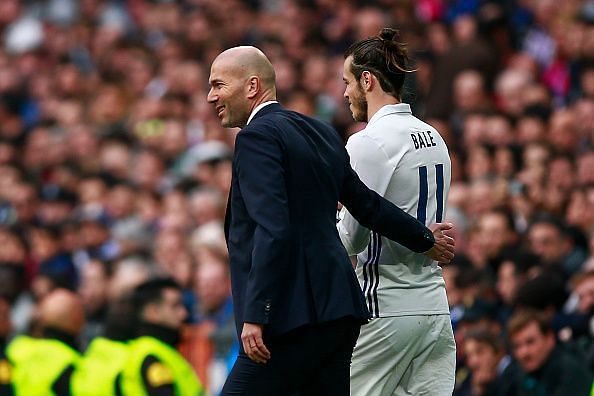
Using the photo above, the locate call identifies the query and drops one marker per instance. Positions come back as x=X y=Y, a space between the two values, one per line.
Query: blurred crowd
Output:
x=114 y=169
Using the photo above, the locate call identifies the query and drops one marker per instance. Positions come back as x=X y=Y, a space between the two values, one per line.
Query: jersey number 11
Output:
x=424 y=193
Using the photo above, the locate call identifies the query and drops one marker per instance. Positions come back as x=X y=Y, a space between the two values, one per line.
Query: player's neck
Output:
x=375 y=101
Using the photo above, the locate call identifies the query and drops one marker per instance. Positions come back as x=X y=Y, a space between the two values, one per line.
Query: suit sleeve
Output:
x=261 y=176
x=380 y=215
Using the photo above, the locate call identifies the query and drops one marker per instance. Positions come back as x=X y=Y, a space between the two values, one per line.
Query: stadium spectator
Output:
x=582 y=332
x=583 y=287
x=214 y=313
x=544 y=366
x=515 y=269
x=487 y=362
x=495 y=232
x=55 y=268
x=128 y=273
x=93 y=290
x=550 y=239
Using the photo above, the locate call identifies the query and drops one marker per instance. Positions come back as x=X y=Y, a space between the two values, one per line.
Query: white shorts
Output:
x=404 y=355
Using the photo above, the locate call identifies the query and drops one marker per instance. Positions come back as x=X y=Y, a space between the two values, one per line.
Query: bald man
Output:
x=63 y=311
x=43 y=366
x=298 y=305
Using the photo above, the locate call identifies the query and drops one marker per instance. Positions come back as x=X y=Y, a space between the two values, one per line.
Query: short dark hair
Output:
x=120 y=321
x=383 y=56
x=522 y=260
x=524 y=317
x=487 y=337
x=544 y=291
x=578 y=278
x=151 y=292
x=554 y=221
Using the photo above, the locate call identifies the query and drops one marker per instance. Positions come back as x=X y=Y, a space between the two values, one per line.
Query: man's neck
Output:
x=376 y=101
x=263 y=99
x=257 y=105
x=161 y=332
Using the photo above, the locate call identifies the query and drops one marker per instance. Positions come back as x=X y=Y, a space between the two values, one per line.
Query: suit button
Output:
x=267 y=307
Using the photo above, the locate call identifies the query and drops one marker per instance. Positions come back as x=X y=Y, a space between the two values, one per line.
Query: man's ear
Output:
x=367 y=80
x=150 y=312
x=252 y=86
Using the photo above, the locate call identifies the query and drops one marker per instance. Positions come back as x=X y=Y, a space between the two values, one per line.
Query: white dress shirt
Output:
x=258 y=108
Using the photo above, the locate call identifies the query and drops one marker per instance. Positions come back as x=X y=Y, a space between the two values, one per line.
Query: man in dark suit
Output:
x=298 y=305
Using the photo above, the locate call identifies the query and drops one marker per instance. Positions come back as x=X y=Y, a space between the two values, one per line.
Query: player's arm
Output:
x=373 y=167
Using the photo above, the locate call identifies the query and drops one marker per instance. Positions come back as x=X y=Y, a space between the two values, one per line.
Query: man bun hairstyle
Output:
x=385 y=56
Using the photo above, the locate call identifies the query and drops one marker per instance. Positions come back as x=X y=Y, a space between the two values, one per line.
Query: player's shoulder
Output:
x=418 y=124
x=390 y=133
x=365 y=140
x=393 y=126
x=421 y=127
x=412 y=122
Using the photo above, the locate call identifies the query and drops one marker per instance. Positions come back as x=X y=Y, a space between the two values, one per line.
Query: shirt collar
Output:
x=258 y=108
x=390 y=109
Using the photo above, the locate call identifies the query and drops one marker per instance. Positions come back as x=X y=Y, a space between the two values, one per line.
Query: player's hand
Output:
x=253 y=344
x=443 y=249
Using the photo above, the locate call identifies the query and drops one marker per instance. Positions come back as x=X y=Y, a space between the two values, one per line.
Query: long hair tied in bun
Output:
x=383 y=55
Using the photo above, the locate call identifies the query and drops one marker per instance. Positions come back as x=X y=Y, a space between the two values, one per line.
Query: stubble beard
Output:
x=360 y=105
x=235 y=119
x=360 y=109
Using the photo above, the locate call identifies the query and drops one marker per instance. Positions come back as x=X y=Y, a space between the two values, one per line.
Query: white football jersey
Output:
x=406 y=161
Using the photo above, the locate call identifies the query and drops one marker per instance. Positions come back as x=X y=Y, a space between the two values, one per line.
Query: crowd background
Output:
x=113 y=167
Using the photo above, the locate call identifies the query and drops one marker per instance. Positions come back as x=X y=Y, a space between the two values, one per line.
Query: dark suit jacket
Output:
x=288 y=266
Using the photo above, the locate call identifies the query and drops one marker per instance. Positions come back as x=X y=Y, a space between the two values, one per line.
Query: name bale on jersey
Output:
x=422 y=139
